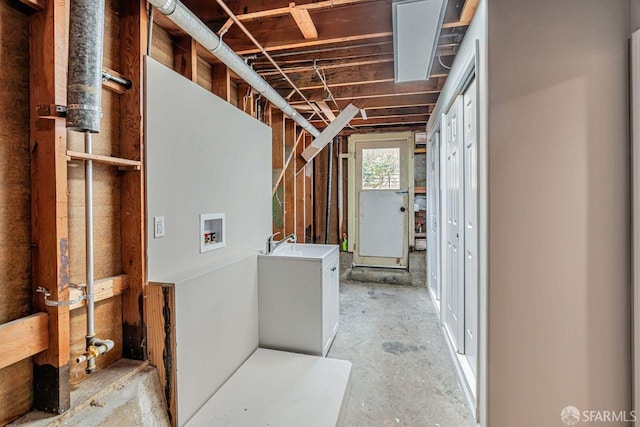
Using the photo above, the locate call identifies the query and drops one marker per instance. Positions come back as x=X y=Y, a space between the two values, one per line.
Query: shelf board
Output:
x=107 y=160
x=420 y=190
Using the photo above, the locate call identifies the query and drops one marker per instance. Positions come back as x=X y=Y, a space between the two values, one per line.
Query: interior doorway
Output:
x=379 y=193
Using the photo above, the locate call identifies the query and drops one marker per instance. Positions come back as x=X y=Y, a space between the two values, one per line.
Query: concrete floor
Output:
x=402 y=372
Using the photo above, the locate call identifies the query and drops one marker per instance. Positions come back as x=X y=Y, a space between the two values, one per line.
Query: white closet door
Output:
x=471 y=226
x=454 y=175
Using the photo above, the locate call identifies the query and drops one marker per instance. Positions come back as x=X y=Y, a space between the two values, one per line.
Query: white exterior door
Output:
x=381 y=198
x=471 y=226
x=433 y=209
x=454 y=181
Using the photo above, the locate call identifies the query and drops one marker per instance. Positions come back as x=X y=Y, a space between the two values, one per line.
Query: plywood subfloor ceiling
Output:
x=336 y=52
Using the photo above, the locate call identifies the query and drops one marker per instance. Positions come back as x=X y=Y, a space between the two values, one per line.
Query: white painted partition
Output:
x=205 y=156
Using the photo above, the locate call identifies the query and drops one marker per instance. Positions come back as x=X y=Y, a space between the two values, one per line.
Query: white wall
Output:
x=559 y=262
x=203 y=156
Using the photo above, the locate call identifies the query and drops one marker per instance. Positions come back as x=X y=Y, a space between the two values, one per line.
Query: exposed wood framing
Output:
x=270 y=13
x=468 y=10
x=162 y=340
x=221 y=81
x=49 y=225
x=23 y=338
x=133 y=30
x=303 y=20
x=271 y=47
x=278 y=165
x=111 y=85
x=185 y=60
x=290 y=178
x=104 y=289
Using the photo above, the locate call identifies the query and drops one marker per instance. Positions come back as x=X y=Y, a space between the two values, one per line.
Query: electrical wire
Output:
x=440 y=61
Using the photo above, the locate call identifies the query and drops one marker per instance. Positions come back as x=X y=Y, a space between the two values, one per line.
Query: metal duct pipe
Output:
x=327 y=222
x=84 y=98
x=84 y=87
x=180 y=15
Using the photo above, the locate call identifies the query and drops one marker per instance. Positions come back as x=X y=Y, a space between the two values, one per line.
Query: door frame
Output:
x=352 y=201
x=635 y=195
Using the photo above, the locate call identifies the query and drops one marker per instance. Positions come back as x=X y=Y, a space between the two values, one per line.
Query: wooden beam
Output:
x=185 y=60
x=391 y=101
x=368 y=72
x=280 y=11
x=221 y=81
x=326 y=110
x=378 y=90
x=23 y=338
x=303 y=20
x=468 y=10
x=290 y=178
x=133 y=45
x=403 y=120
x=104 y=289
x=272 y=47
x=49 y=204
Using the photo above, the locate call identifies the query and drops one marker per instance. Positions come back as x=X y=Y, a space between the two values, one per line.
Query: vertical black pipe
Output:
x=84 y=86
x=329 y=179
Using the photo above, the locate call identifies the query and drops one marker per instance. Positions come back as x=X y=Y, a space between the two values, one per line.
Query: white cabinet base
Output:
x=298 y=301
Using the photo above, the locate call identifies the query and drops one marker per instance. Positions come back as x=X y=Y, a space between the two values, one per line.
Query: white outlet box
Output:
x=158 y=227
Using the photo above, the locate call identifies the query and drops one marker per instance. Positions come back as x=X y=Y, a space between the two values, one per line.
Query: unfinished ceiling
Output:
x=336 y=52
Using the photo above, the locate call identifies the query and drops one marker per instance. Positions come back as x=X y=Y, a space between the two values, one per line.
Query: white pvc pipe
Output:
x=180 y=15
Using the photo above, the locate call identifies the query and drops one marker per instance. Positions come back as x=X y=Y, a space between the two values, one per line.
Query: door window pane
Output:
x=381 y=169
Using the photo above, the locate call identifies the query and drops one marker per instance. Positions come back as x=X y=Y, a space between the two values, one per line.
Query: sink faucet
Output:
x=272 y=244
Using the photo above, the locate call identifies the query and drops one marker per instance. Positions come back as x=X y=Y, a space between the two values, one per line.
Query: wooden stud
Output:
x=185 y=60
x=304 y=22
x=23 y=338
x=133 y=30
x=162 y=341
x=290 y=178
x=221 y=81
x=49 y=221
x=271 y=47
x=278 y=163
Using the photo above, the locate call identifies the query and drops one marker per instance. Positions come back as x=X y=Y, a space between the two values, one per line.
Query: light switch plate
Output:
x=158 y=227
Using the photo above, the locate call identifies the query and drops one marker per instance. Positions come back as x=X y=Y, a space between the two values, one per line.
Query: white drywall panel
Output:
x=203 y=155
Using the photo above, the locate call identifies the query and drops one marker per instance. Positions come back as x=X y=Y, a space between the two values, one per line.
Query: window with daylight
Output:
x=381 y=169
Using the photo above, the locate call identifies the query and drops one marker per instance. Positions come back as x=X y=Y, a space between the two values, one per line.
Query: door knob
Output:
x=402 y=209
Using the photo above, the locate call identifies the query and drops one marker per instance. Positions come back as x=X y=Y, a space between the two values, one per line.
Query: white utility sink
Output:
x=298 y=285
x=303 y=250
